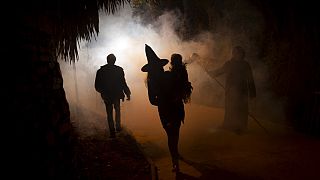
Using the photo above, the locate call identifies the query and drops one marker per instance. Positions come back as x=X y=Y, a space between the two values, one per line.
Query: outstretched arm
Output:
x=217 y=72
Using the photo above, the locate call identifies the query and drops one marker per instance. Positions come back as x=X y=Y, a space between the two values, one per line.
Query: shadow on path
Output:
x=210 y=172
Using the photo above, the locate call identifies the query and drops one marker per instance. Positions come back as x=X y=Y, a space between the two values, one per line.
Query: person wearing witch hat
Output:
x=162 y=93
x=155 y=76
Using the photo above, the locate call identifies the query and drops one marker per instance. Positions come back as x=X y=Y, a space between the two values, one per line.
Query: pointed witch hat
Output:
x=153 y=60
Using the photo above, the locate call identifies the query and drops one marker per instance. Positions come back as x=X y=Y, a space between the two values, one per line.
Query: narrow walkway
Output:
x=96 y=156
x=210 y=153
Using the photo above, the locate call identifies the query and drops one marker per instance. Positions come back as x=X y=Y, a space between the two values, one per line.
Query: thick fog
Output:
x=125 y=36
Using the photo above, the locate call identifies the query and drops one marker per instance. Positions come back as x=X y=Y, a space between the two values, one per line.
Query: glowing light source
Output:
x=120 y=44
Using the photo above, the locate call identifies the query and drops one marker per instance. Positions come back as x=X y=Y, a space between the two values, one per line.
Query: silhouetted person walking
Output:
x=169 y=91
x=111 y=84
x=238 y=87
x=180 y=94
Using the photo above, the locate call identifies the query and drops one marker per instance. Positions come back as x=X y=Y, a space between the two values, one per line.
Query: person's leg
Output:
x=173 y=141
x=109 y=110
x=118 y=114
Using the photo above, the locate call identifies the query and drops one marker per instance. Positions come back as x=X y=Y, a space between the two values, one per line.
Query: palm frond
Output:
x=79 y=20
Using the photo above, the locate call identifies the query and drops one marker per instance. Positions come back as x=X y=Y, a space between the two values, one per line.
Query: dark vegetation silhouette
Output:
x=39 y=132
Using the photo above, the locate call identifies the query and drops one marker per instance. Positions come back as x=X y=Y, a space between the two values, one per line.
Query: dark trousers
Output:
x=172 y=132
x=110 y=105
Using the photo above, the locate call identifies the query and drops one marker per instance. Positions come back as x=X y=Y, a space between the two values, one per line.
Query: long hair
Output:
x=180 y=74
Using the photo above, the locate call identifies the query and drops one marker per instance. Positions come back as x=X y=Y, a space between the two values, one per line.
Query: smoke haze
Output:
x=125 y=36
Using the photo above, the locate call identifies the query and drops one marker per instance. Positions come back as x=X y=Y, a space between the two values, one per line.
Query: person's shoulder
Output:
x=103 y=66
x=100 y=68
x=120 y=67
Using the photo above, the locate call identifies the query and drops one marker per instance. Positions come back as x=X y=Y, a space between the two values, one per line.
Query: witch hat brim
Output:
x=153 y=60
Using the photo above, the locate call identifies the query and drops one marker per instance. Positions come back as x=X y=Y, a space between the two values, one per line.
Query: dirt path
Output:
x=99 y=157
x=212 y=153
x=96 y=156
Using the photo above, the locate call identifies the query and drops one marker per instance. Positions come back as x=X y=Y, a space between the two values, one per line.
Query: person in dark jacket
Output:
x=239 y=87
x=111 y=84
